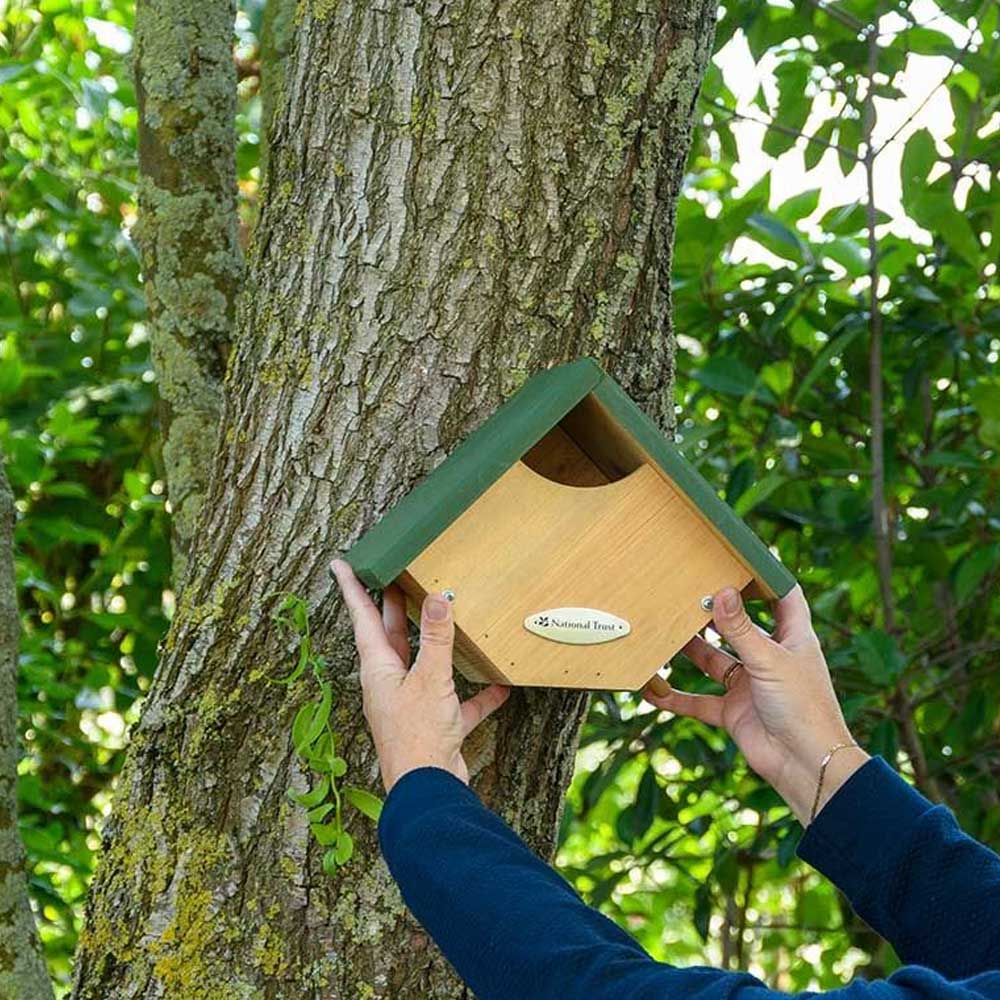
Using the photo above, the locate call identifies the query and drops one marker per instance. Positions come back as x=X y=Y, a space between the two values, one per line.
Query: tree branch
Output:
x=187 y=231
x=881 y=515
x=783 y=129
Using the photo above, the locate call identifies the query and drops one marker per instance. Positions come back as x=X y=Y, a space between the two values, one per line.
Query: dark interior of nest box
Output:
x=586 y=448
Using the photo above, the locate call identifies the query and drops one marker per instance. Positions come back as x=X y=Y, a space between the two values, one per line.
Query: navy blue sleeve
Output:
x=515 y=930
x=910 y=873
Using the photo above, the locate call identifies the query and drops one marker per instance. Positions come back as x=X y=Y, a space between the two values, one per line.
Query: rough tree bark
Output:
x=23 y=975
x=187 y=232
x=458 y=194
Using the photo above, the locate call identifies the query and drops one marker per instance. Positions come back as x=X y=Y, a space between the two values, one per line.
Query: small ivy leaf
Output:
x=326 y=834
x=338 y=767
x=303 y=720
x=313 y=797
x=317 y=723
x=330 y=862
x=370 y=805
x=344 y=849
x=320 y=813
x=318 y=755
x=297 y=672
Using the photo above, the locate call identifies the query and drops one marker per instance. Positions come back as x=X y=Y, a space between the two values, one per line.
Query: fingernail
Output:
x=730 y=601
x=437 y=609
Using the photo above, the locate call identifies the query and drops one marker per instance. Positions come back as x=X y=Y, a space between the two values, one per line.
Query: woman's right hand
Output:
x=780 y=707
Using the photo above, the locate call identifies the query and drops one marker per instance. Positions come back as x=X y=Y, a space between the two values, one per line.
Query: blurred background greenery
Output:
x=817 y=140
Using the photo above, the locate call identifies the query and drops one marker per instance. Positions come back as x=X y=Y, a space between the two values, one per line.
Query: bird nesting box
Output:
x=581 y=547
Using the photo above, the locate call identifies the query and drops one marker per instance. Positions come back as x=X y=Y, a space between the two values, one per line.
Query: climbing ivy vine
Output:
x=315 y=741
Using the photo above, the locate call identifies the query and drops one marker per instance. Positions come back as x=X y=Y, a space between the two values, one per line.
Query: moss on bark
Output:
x=187 y=232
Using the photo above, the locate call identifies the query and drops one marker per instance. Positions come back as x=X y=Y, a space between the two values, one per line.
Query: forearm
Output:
x=910 y=872
x=514 y=930
x=507 y=922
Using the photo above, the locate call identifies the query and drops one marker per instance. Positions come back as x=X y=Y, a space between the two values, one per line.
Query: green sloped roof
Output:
x=387 y=548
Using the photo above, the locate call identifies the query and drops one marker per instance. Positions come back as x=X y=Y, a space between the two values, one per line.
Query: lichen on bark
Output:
x=187 y=232
x=457 y=196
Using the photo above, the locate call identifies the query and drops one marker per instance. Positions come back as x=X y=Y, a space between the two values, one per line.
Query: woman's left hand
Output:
x=414 y=713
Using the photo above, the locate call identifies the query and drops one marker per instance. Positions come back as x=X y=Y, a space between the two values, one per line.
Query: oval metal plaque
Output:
x=577 y=626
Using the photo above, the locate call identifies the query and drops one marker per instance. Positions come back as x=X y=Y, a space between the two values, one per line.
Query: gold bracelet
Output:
x=836 y=748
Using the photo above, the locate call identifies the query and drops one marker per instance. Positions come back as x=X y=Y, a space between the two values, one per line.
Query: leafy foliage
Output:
x=316 y=743
x=669 y=831
x=79 y=428
x=75 y=386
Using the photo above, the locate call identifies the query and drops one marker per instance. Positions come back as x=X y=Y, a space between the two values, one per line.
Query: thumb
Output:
x=437 y=637
x=732 y=622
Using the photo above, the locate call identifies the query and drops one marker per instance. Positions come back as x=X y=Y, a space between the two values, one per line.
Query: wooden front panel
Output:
x=632 y=547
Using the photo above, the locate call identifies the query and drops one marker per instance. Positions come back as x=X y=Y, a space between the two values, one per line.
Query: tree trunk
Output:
x=187 y=232
x=457 y=196
x=23 y=975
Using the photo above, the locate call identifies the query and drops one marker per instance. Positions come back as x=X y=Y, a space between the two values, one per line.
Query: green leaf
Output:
x=11 y=369
x=11 y=70
x=878 y=656
x=848 y=254
x=310 y=724
x=325 y=833
x=928 y=42
x=985 y=397
x=775 y=236
x=338 y=767
x=320 y=813
x=740 y=478
x=821 y=365
x=301 y=723
x=313 y=797
x=818 y=146
x=344 y=849
x=726 y=375
x=370 y=805
x=973 y=569
x=778 y=376
x=330 y=862
x=884 y=740
x=647 y=800
x=799 y=206
x=727 y=871
x=787 y=845
x=702 y=911
x=759 y=492
x=31 y=122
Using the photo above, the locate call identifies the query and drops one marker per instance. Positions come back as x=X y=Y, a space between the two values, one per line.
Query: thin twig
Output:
x=840 y=15
x=783 y=129
x=955 y=62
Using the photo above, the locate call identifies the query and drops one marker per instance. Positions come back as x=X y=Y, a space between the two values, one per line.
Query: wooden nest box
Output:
x=580 y=545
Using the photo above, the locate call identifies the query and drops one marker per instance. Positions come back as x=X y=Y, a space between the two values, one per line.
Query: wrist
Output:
x=394 y=769
x=805 y=783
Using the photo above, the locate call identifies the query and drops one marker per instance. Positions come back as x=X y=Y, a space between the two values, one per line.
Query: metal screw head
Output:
x=707 y=603
x=448 y=595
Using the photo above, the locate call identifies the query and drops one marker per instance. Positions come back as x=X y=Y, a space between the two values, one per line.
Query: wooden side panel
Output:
x=632 y=547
